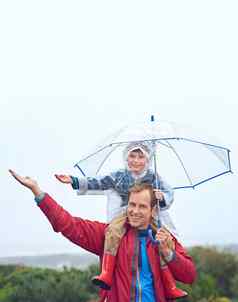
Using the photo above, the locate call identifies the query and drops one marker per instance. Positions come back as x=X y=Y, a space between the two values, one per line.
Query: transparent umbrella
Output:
x=181 y=154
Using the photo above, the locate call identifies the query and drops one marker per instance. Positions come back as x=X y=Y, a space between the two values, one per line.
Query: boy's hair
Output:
x=141 y=187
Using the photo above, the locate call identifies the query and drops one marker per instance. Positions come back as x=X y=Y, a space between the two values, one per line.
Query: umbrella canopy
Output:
x=183 y=156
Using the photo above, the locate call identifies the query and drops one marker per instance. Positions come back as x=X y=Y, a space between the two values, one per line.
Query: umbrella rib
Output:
x=91 y=154
x=166 y=144
x=203 y=143
x=217 y=155
x=229 y=160
x=106 y=157
x=181 y=162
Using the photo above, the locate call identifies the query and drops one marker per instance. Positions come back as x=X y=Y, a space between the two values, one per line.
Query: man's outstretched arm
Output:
x=85 y=233
x=28 y=183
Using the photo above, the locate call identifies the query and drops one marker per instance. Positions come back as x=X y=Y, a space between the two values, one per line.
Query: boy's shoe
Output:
x=104 y=280
x=170 y=289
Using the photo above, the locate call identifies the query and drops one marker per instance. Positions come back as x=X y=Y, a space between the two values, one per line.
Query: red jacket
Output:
x=90 y=236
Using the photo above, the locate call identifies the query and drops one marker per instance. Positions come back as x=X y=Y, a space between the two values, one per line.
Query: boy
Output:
x=137 y=157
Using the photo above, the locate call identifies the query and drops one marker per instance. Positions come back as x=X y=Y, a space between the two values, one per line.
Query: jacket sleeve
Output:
x=168 y=194
x=182 y=266
x=82 y=185
x=87 y=234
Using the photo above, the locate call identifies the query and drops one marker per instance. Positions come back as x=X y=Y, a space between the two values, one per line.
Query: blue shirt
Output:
x=144 y=284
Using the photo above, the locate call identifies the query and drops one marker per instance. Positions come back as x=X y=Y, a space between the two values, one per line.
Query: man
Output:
x=137 y=275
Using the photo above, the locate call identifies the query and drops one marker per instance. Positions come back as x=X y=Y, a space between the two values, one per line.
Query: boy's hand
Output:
x=159 y=195
x=27 y=182
x=66 y=179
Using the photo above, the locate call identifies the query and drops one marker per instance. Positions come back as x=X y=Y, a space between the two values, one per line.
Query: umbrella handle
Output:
x=153 y=240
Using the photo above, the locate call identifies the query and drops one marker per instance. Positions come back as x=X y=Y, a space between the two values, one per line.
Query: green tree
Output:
x=221 y=266
x=234 y=286
x=37 y=285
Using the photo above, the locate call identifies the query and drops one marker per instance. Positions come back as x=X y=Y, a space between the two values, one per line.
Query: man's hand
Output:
x=66 y=179
x=159 y=195
x=27 y=182
x=166 y=242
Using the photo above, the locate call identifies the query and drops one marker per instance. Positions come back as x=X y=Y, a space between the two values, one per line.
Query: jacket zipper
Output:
x=139 y=286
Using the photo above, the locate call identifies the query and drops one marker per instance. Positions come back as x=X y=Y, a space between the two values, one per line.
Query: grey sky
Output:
x=72 y=71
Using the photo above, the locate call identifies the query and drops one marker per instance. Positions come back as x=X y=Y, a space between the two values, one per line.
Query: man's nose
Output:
x=136 y=210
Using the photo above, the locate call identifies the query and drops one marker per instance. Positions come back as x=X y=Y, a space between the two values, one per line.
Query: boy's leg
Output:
x=114 y=233
x=171 y=291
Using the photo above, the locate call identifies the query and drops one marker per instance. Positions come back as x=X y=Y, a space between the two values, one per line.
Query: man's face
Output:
x=136 y=161
x=139 y=210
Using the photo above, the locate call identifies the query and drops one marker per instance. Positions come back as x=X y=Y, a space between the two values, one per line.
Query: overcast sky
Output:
x=72 y=71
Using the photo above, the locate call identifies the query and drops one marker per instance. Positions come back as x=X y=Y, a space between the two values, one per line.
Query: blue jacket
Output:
x=121 y=181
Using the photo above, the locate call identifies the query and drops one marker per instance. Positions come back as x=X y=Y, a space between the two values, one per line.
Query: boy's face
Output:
x=136 y=161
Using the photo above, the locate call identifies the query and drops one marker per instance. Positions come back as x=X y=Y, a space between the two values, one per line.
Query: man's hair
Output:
x=141 y=187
